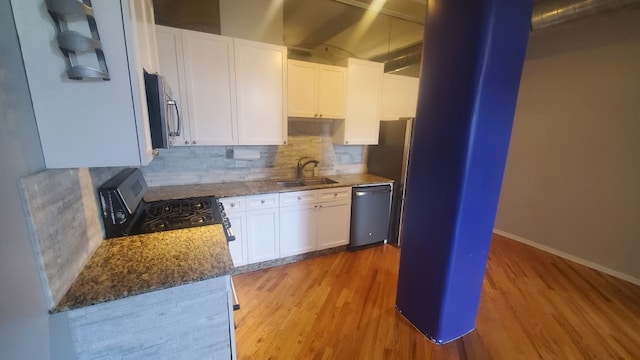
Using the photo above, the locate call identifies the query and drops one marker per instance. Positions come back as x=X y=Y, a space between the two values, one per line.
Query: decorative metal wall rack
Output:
x=72 y=43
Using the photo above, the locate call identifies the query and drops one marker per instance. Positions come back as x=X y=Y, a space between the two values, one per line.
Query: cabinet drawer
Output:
x=298 y=198
x=233 y=204
x=343 y=193
x=265 y=201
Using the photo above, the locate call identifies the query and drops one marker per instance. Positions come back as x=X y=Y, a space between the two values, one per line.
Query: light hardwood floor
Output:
x=534 y=305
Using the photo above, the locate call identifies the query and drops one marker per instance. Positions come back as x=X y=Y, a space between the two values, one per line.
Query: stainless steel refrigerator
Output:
x=389 y=159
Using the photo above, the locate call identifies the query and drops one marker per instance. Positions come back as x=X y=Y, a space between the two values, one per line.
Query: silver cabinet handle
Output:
x=194 y=142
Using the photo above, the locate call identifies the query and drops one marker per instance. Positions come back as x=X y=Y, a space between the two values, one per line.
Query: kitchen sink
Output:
x=290 y=183
x=319 y=181
x=306 y=182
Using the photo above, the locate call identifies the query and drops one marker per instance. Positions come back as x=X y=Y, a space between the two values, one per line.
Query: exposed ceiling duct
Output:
x=545 y=14
x=401 y=59
x=549 y=13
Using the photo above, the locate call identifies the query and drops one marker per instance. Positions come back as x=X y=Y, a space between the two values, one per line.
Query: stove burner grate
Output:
x=177 y=214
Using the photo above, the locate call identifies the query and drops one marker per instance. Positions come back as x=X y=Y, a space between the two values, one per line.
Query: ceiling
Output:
x=318 y=30
x=328 y=31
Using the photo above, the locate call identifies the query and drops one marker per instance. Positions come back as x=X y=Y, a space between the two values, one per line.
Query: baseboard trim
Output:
x=570 y=257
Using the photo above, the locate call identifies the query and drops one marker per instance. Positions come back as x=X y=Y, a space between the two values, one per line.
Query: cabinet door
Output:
x=334 y=219
x=362 y=121
x=261 y=81
x=262 y=235
x=332 y=81
x=210 y=84
x=298 y=229
x=235 y=210
x=399 y=97
x=238 y=247
x=171 y=66
x=301 y=89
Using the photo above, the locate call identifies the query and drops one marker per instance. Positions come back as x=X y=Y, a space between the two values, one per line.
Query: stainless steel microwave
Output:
x=164 y=114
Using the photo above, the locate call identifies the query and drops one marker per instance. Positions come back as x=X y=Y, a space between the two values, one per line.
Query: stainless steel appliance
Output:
x=370 y=207
x=389 y=159
x=124 y=212
x=164 y=114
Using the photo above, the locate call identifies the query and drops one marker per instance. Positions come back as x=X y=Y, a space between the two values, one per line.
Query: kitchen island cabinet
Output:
x=163 y=295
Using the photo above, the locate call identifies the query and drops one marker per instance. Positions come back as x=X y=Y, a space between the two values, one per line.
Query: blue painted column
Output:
x=472 y=61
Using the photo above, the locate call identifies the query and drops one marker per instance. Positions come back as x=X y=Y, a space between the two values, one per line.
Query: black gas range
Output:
x=124 y=211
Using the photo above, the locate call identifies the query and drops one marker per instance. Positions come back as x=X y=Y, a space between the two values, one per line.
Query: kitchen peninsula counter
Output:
x=254 y=187
x=138 y=264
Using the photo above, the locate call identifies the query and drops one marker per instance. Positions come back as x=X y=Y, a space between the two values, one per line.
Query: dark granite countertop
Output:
x=241 y=188
x=138 y=264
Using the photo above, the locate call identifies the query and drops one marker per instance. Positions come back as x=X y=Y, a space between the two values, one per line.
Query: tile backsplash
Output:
x=64 y=222
x=212 y=164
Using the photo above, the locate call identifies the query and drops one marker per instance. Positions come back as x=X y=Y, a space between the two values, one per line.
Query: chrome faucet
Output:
x=300 y=167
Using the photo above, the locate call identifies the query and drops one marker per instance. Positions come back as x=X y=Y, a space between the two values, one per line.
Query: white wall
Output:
x=572 y=180
x=25 y=329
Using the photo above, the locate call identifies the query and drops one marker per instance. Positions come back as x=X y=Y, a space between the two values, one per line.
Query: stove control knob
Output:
x=120 y=216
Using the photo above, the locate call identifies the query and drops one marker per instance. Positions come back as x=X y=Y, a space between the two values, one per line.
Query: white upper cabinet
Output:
x=231 y=90
x=199 y=69
x=316 y=90
x=399 y=96
x=208 y=69
x=364 y=88
x=261 y=86
x=90 y=123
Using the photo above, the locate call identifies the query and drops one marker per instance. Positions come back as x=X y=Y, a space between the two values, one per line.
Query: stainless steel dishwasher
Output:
x=370 y=206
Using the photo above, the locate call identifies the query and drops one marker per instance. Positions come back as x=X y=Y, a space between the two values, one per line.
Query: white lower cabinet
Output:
x=333 y=224
x=314 y=220
x=262 y=228
x=235 y=210
x=272 y=226
x=298 y=222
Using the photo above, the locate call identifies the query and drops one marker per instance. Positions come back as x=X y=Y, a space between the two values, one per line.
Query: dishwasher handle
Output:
x=386 y=189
